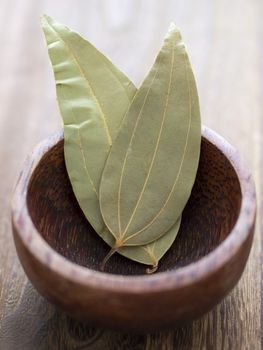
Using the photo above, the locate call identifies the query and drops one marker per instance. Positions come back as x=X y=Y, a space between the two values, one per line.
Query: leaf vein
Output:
x=83 y=154
x=157 y=144
x=84 y=75
x=126 y=155
x=181 y=164
x=78 y=133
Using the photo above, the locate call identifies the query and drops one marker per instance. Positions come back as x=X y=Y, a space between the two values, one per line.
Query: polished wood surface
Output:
x=224 y=40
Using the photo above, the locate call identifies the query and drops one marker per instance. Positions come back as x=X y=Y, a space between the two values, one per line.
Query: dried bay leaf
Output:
x=71 y=55
x=151 y=168
x=148 y=254
x=93 y=96
x=151 y=253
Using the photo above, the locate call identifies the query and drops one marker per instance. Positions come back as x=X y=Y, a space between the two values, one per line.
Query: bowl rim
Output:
x=167 y=280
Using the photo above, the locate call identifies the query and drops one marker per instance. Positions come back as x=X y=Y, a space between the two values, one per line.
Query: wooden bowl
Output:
x=61 y=253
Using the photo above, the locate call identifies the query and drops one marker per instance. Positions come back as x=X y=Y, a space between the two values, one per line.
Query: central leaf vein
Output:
x=126 y=155
x=156 y=146
x=181 y=163
x=84 y=75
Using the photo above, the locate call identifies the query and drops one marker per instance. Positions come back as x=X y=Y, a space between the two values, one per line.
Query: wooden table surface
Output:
x=225 y=43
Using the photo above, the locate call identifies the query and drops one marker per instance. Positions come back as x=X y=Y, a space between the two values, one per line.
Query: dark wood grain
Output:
x=224 y=40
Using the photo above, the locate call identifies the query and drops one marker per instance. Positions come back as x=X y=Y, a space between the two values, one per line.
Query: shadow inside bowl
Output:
x=208 y=217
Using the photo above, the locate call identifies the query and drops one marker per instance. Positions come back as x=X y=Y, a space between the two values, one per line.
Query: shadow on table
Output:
x=37 y=325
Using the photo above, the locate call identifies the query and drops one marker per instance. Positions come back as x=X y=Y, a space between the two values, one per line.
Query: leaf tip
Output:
x=174 y=31
x=173 y=27
x=46 y=22
x=44 y=19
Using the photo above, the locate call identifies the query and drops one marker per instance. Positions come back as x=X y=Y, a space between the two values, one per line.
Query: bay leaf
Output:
x=148 y=254
x=151 y=168
x=63 y=43
x=93 y=96
x=151 y=253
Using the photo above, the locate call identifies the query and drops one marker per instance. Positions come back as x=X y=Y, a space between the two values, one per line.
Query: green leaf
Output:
x=151 y=253
x=80 y=72
x=148 y=254
x=152 y=165
x=93 y=96
x=75 y=58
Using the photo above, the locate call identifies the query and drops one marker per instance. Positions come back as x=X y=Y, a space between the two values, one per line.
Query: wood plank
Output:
x=225 y=44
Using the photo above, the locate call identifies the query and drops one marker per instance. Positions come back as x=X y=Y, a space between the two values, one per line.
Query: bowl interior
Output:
x=208 y=217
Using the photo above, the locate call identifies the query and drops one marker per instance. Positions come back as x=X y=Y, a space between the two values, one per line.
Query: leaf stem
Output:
x=107 y=257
